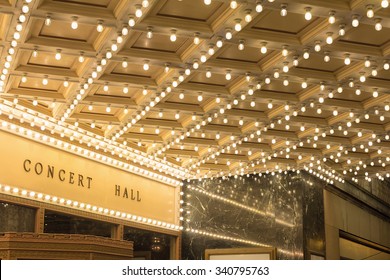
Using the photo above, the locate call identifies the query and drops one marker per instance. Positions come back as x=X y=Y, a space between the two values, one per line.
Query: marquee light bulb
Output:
x=327 y=57
x=228 y=75
x=200 y=98
x=241 y=45
x=99 y=27
x=108 y=109
x=283 y=10
x=370 y=11
x=347 y=59
x=248 y=16
x=203 y=57
x=329 y=39
x=228 y=34
x=367 y=62
x=124 y=63
x=74 y=25
x=58 y=54
x=219 y=43
x=306 y=54
x=195 y=65
x=208 y=73
x=138 y=11
x=237 y=26
x=233 y=4
x=146 y=66
x=332 y=18
x=362 y=77
x=270 y=105
x=207 y=2
x=131 y=21
x=378 y=24
x=145 y=3
x=259 y=7
x=308 y=15
x=342 y=30
x=173 y=35
x=355 y=21
x=45 y=81
x=317 y=46
x=385 y=4
x=263 y=49
x=125 y=31
x=284 y=51
x=285 y=67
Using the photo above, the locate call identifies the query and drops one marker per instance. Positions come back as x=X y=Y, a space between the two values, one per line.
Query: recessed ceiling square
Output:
x=292 y=23
x=194 y=9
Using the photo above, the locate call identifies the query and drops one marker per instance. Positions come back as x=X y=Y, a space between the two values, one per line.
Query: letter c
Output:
x=27 y=168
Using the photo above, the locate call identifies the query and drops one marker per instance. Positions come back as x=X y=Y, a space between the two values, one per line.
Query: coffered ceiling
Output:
x=162 y=82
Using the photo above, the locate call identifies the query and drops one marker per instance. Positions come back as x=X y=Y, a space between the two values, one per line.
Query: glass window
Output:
x=67 y=224
x=147 y=244
x=16 y=218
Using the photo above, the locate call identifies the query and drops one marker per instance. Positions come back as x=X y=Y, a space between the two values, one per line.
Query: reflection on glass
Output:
x=16 y=218
x=67 y=224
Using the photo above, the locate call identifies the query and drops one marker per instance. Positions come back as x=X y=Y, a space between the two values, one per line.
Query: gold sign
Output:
x=40 y=168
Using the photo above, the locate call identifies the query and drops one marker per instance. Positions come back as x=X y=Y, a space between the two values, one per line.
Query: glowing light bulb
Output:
x=233 y=4
x=362 y=78
x=367 y=62
x=48 y=20
x=228 y=34
x=355 y=21
x=58 y=54
x=283 y=10
x=263 y=49
x=347 y=59
x=378 y=24
x=385 y=4
x=99 y=27
x=237 y=26
x=306 y=54
x=74 y=25
x=45 y=81
x=108 y=109
x=124 y=63
x=81 y=57
x=308 y=15
x=317 y=46
x=145 y=3
x=332 y=18
x=259 y=7
x=173 y=35
x=329 y=39
x=138 y=11
x=228 y=75
x=327 y=57
x=131 y=21
x=207 y=2
x=146 y=65
x=200 y=98
x=342 y=30
x=241 y=45
x=370 y=11
x=285 y=67
x=248 y=16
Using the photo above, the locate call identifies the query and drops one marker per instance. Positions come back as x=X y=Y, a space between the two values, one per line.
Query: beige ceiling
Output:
x=230 y=130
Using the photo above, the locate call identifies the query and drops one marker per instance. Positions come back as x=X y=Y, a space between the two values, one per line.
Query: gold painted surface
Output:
x=158 y=201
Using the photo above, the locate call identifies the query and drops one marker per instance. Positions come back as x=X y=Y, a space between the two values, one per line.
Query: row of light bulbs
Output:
x=86 y=207
x=123 y=150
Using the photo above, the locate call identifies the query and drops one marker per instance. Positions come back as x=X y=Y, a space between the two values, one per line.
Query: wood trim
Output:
x=84 y=214
x=240 y=251
x=362 y=241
